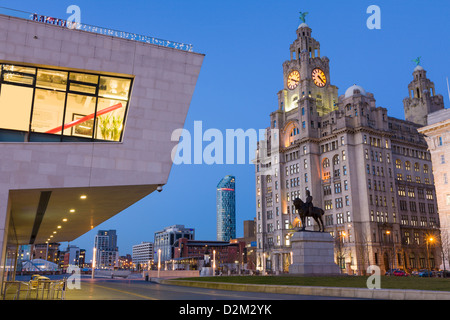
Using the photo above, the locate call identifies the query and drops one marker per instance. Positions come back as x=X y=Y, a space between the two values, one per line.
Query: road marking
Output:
x=126 y=292
x=228 y=293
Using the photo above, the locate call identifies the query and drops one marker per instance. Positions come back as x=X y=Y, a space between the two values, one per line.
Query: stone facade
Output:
x=313 y=254
x=422 y=99
x=371 y=173
x=437 y=135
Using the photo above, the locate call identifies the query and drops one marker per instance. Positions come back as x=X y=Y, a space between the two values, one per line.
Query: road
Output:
x=107 y=289
x=179 y=302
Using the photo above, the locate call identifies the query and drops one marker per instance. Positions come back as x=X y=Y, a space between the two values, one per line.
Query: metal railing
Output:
x=95 y=29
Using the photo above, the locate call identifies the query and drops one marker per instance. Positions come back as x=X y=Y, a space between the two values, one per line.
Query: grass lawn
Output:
x=415 y=283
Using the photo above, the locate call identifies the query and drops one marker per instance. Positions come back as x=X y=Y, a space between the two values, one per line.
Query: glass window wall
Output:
x=48 y=109
x=114 y=88
x=110 y=117
x=62 y=104
x=15 y=107
x=51 y=79
x=79 y=116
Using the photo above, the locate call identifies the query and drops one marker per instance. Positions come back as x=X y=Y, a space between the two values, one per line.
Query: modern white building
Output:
x=74 y=253
x=142 y=254
x=86 y=120
x=106 y=250
x=166 y=238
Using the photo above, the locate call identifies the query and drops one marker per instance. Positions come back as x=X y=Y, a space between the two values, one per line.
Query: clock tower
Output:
x=307 y=77
x=422 y=99
x=345 y=153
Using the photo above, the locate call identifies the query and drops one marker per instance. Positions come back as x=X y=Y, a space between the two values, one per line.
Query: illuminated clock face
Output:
x=319 y=77
x=293 y=79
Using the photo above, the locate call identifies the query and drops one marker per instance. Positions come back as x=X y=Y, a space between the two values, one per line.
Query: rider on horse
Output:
x=309 y=204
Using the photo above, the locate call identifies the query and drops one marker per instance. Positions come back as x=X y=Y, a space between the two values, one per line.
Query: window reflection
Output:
x=18 y=78
x=82 y=88
x=114 y=88
x=84 y=77
x=51 y=79
x=21 y=69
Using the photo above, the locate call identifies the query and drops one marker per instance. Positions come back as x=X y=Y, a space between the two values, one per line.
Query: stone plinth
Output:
x=206 y=272
x=313 y=254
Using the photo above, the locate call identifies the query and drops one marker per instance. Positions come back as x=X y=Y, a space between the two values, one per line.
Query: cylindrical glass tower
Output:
x=226 y=209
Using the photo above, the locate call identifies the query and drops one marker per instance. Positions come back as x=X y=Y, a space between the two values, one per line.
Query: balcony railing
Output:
x=95 y=29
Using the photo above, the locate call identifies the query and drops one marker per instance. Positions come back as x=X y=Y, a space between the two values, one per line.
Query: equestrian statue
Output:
x=307 y=209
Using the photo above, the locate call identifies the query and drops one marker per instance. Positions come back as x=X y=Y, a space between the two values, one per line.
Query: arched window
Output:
x=336 y=160
x=290 y=132
x=398 y=164
x=425 y=168
x=326 y=163
x=408 y=165
x=416 y=167
x=412 y=260
x=294 y=132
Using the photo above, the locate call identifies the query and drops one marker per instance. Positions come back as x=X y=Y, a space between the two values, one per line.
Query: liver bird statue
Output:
x=303 y=16
x=417 y=60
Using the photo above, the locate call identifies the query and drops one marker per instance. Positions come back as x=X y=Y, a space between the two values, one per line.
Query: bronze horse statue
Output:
x=303 y=211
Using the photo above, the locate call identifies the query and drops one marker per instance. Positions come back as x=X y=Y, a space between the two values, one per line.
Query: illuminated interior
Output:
x=45 y=104
x=292 y=133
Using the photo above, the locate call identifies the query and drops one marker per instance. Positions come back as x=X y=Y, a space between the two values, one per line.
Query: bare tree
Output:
x=340 y=249
x=445 y=245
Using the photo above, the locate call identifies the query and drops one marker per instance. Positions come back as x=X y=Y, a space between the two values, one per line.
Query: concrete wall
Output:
x=164 y=83
x=171 y=273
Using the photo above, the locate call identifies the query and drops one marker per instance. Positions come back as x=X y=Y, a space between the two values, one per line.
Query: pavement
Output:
x=160 y=289
x=139 y=289
x=352 y=293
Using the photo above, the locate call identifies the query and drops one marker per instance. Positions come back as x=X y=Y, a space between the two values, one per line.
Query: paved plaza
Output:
x=139 y=289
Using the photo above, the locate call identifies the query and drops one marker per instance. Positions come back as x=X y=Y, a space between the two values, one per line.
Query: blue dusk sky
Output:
x=245 y=43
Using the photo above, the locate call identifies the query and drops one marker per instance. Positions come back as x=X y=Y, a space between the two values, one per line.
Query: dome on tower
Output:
x=350 y=91
x=418 y=68
x=303 y=25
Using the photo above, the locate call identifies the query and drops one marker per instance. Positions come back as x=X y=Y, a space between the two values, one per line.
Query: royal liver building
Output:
x=371 y=173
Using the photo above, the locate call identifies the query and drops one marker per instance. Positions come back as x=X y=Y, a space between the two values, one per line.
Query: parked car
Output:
x=425 y=273
x=415 y=273
x=400 y=273
x=390 y=272
x=443 y=274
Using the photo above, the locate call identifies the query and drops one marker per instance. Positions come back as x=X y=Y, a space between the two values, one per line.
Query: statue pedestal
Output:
x=206 y=272
x=313 y=254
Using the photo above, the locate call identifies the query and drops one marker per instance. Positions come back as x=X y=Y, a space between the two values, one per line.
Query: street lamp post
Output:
x=214 y=262
x=340 y=250
x=264 y=264
x=159 y=261
x=94 y=262
x=429 y=239
x=388 y=233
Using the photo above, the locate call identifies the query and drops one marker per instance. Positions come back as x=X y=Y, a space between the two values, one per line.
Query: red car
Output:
x=400 y=273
